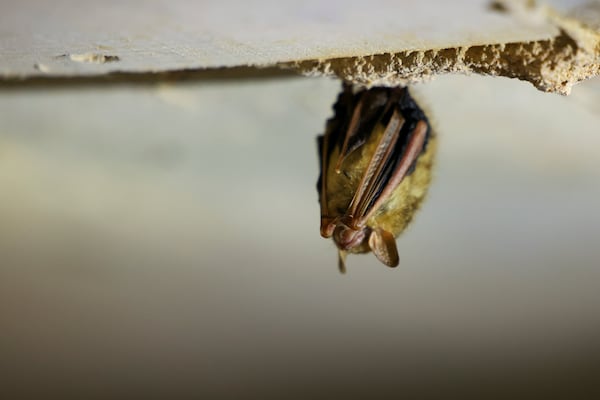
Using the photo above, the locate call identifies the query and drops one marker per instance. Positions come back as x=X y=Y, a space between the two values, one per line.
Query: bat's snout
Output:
x=348 y=238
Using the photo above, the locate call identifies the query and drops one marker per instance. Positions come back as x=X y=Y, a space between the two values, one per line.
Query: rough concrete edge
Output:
x=553 y=65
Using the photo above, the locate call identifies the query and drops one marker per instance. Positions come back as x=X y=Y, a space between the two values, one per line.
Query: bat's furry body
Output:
x=376 y=161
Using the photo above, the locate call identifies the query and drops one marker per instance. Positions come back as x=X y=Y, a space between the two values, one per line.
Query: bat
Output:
x=376 y=160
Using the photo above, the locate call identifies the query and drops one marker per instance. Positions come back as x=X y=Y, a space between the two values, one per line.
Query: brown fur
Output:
x=397 y=212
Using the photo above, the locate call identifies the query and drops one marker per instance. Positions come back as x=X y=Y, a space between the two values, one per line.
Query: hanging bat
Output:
x=376 y=157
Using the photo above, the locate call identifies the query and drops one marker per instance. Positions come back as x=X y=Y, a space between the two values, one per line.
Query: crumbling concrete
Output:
x=551 y=43
x=551 y=65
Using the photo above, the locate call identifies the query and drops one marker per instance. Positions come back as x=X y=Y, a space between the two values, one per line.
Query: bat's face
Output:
x=347 y=238
x=376 y=158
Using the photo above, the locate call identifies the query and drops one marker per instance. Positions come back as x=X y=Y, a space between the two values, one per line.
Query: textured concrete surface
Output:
x=375 y=42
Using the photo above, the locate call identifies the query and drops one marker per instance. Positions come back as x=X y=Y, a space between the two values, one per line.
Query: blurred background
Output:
x=162 y=241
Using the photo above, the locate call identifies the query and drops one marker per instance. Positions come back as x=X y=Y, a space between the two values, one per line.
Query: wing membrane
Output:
x=371 y=180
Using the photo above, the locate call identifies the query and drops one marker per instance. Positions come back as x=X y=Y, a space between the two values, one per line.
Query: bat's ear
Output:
x=383 y=245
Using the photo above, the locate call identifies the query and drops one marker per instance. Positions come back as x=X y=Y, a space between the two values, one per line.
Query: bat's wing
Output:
x=355 y=117
x=395 y=155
